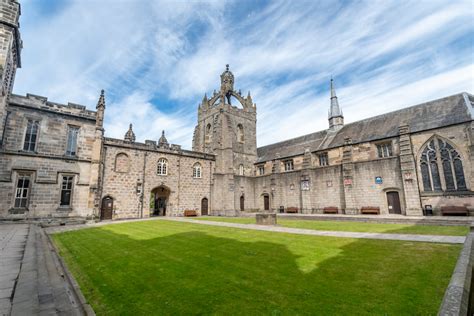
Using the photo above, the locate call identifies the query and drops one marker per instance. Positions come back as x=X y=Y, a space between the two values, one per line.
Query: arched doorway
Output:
x=393 y=200
x=159 y=201
x=242 y=203
x=204 y=206
x=107 y=208
x=266 y=202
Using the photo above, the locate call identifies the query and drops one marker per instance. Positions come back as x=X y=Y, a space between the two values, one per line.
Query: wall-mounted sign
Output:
x=378 y=180
x=304 y=185
x=347 y=181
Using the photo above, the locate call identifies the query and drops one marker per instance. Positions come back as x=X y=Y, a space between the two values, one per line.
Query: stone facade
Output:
x=56 y=162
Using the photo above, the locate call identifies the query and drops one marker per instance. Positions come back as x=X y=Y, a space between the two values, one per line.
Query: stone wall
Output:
x=48 y=163
x=130 y=188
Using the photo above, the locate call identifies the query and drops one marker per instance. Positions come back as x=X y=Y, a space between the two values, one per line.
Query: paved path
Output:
x=12 y=246
x=280 y=229
x=300 y=231
x=32 y=279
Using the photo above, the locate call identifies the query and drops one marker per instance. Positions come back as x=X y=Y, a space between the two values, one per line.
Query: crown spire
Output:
x=163 y=142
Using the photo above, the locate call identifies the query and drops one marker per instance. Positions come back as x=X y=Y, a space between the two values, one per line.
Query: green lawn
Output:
x=173 y=268
x=353 y=226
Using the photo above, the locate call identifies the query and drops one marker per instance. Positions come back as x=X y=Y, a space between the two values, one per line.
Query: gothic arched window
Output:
x=162 y=168
x=240 y=133
x=197 y=170
x=440 y=161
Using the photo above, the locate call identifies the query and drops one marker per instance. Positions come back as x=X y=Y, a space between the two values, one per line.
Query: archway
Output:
x=107 y=208
x=242 y=203
x=159 y=201
x=204 y=206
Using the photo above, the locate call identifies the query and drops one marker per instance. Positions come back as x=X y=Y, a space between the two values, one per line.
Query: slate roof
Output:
x=455 y=109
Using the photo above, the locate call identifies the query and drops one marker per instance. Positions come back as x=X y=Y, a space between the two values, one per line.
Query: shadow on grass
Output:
x=248 y=273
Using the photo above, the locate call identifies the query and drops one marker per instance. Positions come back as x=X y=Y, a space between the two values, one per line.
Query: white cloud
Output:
x=384 y=55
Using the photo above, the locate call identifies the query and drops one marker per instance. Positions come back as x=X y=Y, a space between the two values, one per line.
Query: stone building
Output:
x=55 y=160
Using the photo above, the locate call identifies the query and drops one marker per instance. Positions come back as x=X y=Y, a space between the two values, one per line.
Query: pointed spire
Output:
x=336 y=119
x=335 y=110
x=101 y=102
x=130 y=135
x=163 y=142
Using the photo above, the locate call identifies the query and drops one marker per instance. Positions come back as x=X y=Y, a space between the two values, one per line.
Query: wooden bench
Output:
x=370 y=210
x=291 y=209
x=189 y=213
x=454 y=210
x=330 y=210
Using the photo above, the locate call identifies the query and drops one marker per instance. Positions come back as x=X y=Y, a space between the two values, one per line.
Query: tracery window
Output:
x=162 y=168
x=440 y=161
x=197 y=170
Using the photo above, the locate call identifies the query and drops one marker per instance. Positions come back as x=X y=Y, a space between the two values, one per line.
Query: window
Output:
x=384 y=150
x=162 y=167
x=323 y=159
x=122 y=163
x=197 y=171
x=22 y=191
x=66 y=190
x=241 y=170
x=71 y=148
x=208 y=133
x=31 y=135
x=240 y=133
x=289 y=165
x=261 y=170
x=439 y=160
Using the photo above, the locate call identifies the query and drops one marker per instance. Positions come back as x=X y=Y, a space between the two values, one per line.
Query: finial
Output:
x=227 y=67
x=130 y=135
x=163 y=142
x=163 y=133
x=101 y=102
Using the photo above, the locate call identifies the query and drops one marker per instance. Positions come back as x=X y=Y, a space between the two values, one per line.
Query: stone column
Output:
x=348 y=177
x=409 y=178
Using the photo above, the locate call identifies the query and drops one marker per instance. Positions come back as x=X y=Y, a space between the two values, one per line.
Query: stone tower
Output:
x=229 y=132
x=10 y=50
x=335 y=116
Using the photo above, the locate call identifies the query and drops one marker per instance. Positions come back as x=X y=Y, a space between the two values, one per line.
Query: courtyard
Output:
x=181 y=267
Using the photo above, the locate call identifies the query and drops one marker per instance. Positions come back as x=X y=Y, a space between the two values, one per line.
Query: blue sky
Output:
x=156 y=59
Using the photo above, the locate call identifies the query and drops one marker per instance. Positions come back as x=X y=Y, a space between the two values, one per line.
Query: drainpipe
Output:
x=142 y=197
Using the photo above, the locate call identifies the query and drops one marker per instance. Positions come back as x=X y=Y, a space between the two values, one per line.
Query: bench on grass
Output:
x=291 y=209
x=189 y=213
x=370 y=210
x=330 y=210
x=454 y=210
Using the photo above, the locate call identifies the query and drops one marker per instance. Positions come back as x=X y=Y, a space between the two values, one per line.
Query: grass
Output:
x=175 y=268
x=353 y=226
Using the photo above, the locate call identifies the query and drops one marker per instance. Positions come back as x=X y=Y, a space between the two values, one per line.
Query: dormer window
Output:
x=261 y=170
x=384 y=150
x=323 y=159
x=289 y=165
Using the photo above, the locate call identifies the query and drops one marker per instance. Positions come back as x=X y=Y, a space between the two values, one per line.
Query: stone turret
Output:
x=335 y=116
x=163 y=142
x=130 y=135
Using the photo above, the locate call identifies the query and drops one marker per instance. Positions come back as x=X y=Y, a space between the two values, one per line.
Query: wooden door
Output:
x=204 y=206
x=266 y=202
x=242 y=203
x=107 y=208
x=393 y=203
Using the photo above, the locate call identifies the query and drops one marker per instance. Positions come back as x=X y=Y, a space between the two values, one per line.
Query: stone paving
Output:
x=12 y=245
